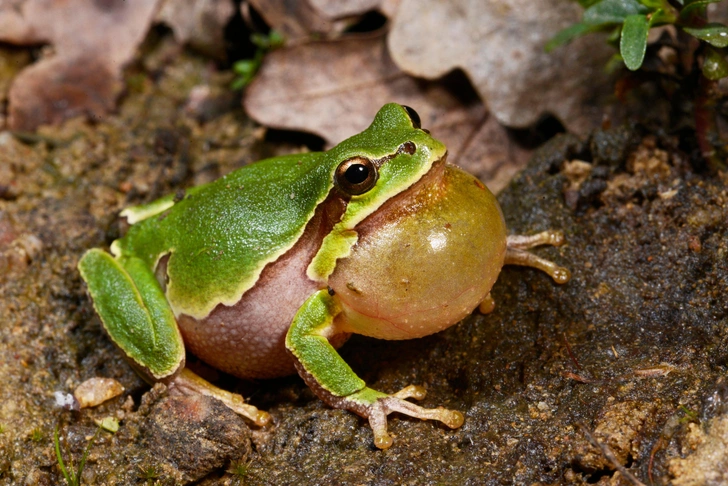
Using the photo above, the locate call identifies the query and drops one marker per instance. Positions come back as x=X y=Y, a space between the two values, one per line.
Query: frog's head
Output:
x=383 y=161
x=372 y=168
x=426 y=255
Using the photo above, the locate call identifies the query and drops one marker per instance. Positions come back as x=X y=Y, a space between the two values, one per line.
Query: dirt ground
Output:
x=631 y=353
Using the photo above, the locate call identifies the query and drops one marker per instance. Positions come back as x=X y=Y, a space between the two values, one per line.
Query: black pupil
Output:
x=357 y=173
x=413 y=116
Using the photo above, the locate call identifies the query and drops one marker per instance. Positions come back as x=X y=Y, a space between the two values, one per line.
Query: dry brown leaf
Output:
x=198 y=23
x=296 y=21
x=335 y=88
x=500 y=45
x=91 y=42
x=315 y=19
x=337 y=9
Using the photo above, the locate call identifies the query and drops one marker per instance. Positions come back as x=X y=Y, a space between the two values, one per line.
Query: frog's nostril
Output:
x=407 y=148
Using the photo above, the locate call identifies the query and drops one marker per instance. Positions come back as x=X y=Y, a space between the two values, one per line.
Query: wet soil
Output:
x=631 y=353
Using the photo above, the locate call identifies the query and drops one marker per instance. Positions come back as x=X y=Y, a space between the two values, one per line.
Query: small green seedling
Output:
x=149 y=473
x=690 y=416
x=36 y=435
x=628 y=22
x=245 y=69
x=73 y=478
x=239 y=468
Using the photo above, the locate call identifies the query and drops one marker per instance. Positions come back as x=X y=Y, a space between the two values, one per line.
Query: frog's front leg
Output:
x=136 y=315
x=516 y=253
x=328 y=375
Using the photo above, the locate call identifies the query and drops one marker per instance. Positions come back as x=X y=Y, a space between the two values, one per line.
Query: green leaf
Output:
x=652 y=4
x=714 y=65
x=245 y=67
x=110 y=424
x=267 y=41
x=614 y=64
x=633 y=44
x=614 y=35
x=588 y=3
x=714 y=34
x=568 y=34
x=704 y=2
x=695 y=7
x=275 y=39
x=661 y=17
x=612 y=11
x=59 y=457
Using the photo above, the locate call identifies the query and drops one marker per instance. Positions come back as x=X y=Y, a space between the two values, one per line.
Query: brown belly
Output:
x=248 y=339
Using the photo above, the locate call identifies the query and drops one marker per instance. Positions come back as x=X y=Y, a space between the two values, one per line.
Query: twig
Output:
x=573 y=358
x=607 y=452
x=658 y=445
x=575 y=377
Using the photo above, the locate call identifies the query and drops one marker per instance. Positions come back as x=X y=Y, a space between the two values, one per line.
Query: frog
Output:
x=268 y=270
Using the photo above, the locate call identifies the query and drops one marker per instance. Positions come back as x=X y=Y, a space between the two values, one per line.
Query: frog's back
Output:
x=219 y=236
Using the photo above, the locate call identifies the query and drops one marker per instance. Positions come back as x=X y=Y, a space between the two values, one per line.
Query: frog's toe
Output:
x=260 y=417
x=488 y=305
x=378 y=411
x=561 y=275
x=412 y=391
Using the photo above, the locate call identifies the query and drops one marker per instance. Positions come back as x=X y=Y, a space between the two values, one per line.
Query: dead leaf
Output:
x=296 y=21
x=335 y=88
x=12 y=61
x=198 y=23
x=92 y=40
x=500 y=45
x=337 y=9
x=316 y=19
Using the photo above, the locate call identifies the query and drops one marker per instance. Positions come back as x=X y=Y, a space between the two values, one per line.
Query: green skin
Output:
x=220 y=236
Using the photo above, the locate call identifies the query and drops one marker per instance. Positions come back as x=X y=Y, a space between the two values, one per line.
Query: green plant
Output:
x=245 y=69
x=690 y=416
x=690 y=81
x=73 y=478
x=239 y=469
x=629 y=22
x=149 y=473
x=36 y=435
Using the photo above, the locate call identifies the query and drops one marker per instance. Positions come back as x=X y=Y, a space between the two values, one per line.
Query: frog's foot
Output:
x=375 y=406
x=516 y=253
x=488 y=305
x=188 y=382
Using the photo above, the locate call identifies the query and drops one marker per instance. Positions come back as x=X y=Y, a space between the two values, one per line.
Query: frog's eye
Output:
x=414 y=117
x=355 y=176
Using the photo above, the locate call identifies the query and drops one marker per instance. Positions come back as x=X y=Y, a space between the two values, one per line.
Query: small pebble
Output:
x=96 y=391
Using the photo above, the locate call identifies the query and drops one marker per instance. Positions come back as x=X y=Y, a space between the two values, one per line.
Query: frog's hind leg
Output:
x=137 y=317
x=188 y=382
x=516 y=253
x=135 y=313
